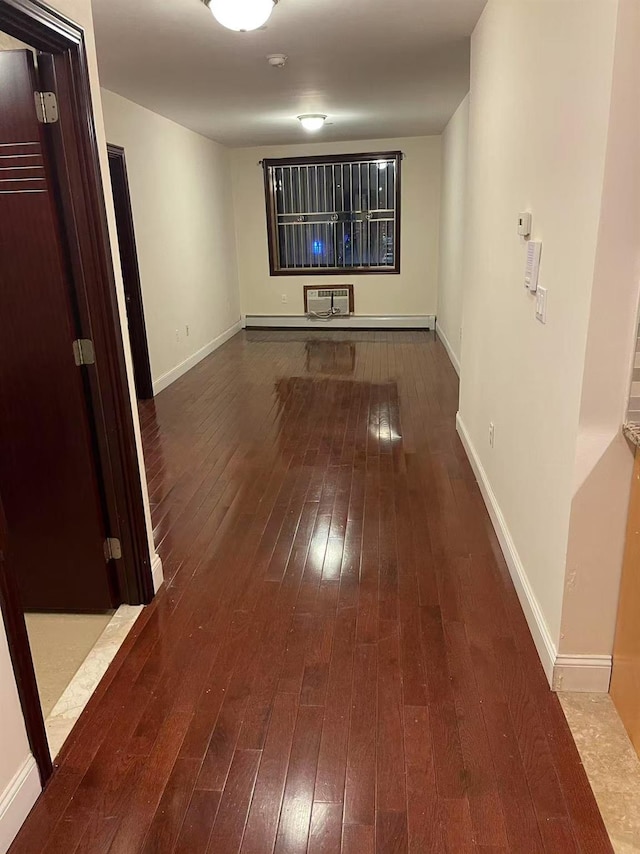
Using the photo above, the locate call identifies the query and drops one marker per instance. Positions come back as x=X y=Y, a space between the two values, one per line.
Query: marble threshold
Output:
x=69 y=707
x=611 y=764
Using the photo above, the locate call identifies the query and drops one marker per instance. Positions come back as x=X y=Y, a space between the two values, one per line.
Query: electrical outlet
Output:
x=492 y=434
x=187 y=330
x=461 y=333
x=285 y=298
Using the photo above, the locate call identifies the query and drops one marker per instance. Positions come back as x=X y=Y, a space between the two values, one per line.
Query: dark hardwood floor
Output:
x=338 y=662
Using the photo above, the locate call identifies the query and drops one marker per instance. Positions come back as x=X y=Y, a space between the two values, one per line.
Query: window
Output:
x=334 y=214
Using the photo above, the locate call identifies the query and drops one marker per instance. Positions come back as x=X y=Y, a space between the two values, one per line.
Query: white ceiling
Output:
x=377 y=68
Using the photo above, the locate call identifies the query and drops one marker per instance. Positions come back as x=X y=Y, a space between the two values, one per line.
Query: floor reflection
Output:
x=340 y=416
x=329 y=400
x=330 y=357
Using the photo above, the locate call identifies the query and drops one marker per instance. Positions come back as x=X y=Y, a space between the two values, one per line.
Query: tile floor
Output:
x=59 y=645
x=71 y=654
x=611 y=763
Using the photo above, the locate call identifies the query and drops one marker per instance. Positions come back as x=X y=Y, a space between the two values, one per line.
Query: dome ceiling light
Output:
x=312 y=121
x=241 y=15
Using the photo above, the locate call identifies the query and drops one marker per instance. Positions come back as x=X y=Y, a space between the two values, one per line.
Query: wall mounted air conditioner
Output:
x=328 y=302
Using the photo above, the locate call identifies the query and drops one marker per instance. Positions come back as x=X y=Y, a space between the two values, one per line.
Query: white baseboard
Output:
x=17 y=800
x=175 y=373
x=359 y=321
x=537 y=625
x=586 y=673
x=157 y=572
x=447 y=346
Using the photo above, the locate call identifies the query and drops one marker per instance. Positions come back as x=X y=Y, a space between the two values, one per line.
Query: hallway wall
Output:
x=180 y=184
x=19 y=781
x=9 y=43
x=453 y=209
x=604 y=459
x=413 y=292
x=541 y=84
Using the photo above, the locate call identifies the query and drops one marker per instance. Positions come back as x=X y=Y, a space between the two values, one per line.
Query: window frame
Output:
x=271 y=215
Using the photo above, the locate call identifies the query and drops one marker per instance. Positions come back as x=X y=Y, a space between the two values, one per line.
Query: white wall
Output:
x=604 y=460
x=9 y=43
x=453 y=207
x=18 y=777
x=541 y=82
x=180 y=184
x=413 y=292
x=14 y=746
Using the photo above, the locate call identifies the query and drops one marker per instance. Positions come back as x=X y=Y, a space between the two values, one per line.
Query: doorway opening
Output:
x=130 y=272
x=73 y=536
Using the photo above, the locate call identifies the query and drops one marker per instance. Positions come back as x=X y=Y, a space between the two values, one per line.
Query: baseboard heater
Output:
x=334 y=306
x=360 y=321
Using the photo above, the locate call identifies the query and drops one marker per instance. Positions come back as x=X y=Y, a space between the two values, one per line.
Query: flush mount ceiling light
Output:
x=277 y=60
x=241 y=15
x=312 y=121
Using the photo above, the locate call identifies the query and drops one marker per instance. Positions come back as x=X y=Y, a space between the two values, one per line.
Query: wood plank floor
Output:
x=338 y=662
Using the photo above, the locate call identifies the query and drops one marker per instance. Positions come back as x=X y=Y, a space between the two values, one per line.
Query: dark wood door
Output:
x=130 y=272
x=49 y=482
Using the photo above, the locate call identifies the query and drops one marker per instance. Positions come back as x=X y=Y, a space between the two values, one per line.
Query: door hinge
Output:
x=46 y=107
x=83 y=352
x=112 y=548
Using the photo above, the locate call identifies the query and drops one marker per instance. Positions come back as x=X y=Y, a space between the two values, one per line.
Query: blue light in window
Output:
x=318 y=247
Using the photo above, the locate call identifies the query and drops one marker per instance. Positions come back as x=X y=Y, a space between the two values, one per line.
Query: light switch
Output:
x=541 y=305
